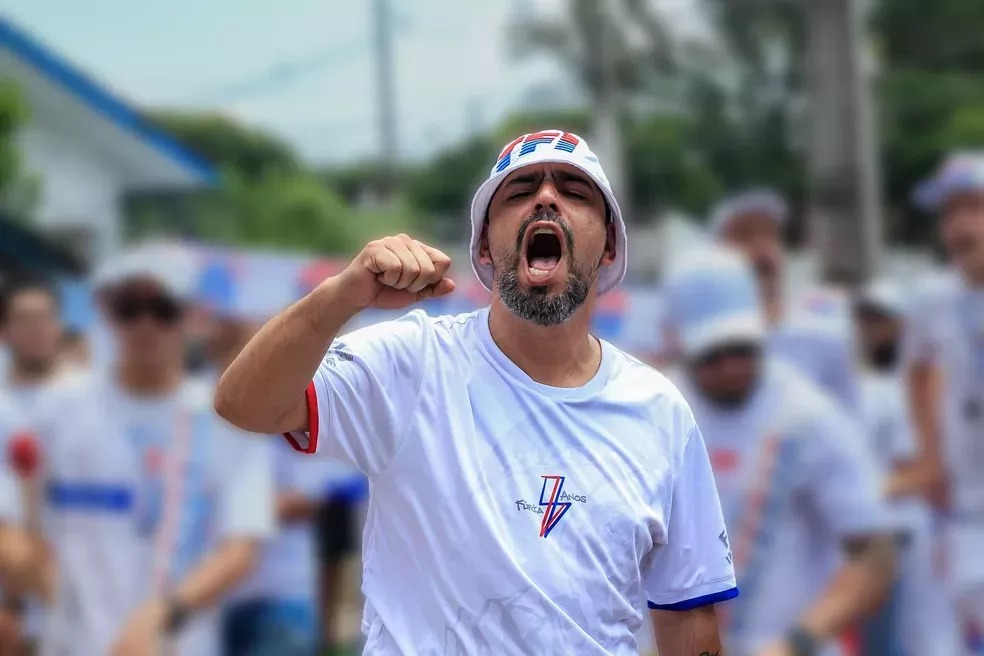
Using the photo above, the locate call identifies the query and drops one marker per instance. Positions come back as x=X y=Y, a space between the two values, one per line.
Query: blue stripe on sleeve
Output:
x=697 y=602
x=85 y=496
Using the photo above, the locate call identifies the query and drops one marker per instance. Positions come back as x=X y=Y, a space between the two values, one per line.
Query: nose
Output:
x=547 y=196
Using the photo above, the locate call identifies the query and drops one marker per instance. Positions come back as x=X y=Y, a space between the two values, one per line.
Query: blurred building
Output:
x=89 y=147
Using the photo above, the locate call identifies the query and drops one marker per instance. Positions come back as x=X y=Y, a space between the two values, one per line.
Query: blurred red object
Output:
x=24 y=452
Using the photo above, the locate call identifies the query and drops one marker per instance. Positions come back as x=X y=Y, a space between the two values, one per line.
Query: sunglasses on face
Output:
x=128 y=309
x=719 y=355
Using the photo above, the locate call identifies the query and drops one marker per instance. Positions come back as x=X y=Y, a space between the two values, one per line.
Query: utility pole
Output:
x=845 y=186
x=386 y=97
x=608 y=130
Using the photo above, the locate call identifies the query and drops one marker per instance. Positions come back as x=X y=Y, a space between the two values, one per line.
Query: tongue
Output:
x=544 y=263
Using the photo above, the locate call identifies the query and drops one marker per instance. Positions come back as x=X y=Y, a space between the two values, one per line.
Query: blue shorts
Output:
x=270 y=628
x=880 y=633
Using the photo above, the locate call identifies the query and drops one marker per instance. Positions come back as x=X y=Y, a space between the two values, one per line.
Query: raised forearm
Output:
x=295 y=507
x=856 y=590
x=924 y=390
x=217 y=574
x=911 y=479
x=263 y=389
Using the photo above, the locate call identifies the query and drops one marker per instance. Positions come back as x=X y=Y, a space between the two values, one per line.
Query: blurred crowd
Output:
x=835 y=420
x=117 y=470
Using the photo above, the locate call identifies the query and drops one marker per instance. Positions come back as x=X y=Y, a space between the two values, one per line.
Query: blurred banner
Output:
x=258 y=284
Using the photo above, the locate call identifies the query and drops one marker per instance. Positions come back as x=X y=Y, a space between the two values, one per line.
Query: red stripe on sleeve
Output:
x=311 y=397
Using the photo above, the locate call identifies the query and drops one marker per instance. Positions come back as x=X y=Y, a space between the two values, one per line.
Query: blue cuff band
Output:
x=697 y=602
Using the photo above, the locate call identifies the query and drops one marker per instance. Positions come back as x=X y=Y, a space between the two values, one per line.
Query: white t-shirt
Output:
x=27 y=398
x=794 y=480
x=12 y=421
x=287 y=569
x=138 y=490
x=946 y=326
x=816 y=336
x=926 y=617
x=510 y=517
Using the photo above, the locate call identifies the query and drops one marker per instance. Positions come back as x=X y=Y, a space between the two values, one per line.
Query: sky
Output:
x=303 y=69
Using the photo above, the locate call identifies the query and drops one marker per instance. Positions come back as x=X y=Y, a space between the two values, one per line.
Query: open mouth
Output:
x=544 y=249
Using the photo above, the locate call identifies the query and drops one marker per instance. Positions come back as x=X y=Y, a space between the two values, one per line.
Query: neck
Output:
x=560 y=356
x=144 y=380
x=28 y=376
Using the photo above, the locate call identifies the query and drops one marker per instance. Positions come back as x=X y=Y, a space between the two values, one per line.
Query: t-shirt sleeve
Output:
x=843 y=476
x=693 y=567
x=364 y=393
x=246 y=487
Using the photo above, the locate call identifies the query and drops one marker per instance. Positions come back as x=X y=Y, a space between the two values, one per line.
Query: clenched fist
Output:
x=394 y=272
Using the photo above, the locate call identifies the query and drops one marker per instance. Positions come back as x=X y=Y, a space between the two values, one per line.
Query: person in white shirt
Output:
x=271 y=612
x=812 y=332
x=274 y=611
x=795 y=487
x=944 y=356
x=926 y=618
x=31 y=328
x=17 y=573
x=532 y=487
x=153 y=505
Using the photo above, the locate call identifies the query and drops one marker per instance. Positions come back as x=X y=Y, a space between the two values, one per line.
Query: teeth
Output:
x=543 y=231
x=539 y=272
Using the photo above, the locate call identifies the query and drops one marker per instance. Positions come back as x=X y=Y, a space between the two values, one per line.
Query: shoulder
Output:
x=806 y=410
x=640 y=386
x=936 y=289
x=413 y=325
x=71 y=387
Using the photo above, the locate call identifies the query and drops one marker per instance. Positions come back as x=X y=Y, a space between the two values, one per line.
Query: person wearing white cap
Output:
x=532 y=487
x=153 y=506
x=812 y=332
x=925 y=617
x=794 y=486
x=943 y=349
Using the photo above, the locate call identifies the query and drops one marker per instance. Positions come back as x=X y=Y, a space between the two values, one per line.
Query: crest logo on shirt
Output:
x=553 y=505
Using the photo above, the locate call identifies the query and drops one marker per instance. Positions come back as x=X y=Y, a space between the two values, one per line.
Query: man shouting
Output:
x=532 y=486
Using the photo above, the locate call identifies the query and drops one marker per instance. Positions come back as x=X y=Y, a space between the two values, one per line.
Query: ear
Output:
x=484 y=254
x=608 y=257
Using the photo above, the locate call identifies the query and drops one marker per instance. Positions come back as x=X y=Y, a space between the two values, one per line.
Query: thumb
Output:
x=443 y=287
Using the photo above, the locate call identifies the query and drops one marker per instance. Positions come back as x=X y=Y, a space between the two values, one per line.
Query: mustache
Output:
x=552 y=217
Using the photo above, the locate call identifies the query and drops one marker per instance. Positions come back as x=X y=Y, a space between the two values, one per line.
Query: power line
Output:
x=285 y=72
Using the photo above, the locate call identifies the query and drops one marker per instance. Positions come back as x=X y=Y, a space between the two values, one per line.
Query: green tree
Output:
x=18 y=190
x=266 y=197
x=250 y=152
x=641 y=44
x=942 y=37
